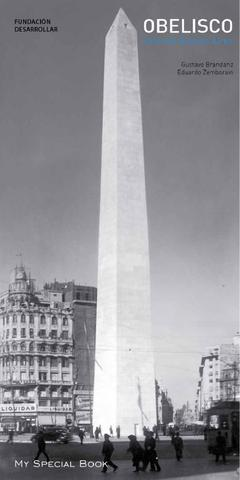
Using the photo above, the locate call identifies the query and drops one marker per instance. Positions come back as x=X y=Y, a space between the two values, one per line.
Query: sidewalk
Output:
x=26 y=438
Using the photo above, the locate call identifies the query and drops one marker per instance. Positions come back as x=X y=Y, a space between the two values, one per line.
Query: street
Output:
x=69 y=462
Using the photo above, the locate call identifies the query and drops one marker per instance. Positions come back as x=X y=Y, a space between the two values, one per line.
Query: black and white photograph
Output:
x=119 y=239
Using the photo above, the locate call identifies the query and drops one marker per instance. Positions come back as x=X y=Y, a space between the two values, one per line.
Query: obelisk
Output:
x=124 y=392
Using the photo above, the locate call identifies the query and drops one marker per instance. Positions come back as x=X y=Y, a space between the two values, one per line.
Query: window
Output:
x=42 y=347
x=42 y=376
x=23 y=318
x=65 y=321
x=42 y=333
x=78 y=296
x=43 y=403
x=14 y=332
x=65 y=335
x=53 y=334
x=66 y=377
x=65 y=362
x=54 y=376
x=31 y=361
x=42 y=362
x=14 y=318
x=3 y=320
x=53 y=348
x=54 y=362
x=7 y=319
x=23 y=361
x=54 y=320
x=42 y=320
x=54 y=403
x=31 y=319
x=23 y=347
x=31 y=347
x=7 y=334
x=14 y=347
x=31 y=332
x=23 y=332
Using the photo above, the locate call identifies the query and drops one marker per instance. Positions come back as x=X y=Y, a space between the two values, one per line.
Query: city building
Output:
x=163 y=405
x=83 y=301
x=166 y=408
x=36 y=357
x=47 y=341
x=218 y=377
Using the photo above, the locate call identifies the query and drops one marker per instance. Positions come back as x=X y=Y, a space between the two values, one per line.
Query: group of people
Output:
x=98 y=432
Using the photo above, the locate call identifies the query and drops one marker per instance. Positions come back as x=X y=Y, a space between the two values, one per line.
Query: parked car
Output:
x=54 y=433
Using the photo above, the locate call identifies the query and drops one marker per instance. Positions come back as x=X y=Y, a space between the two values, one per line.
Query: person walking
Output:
x=41 y=445
x=178 y=445
x=118 y=431
x=150 y=453
x=107 y=451
x=10 y=436
x=81 y=435
x=220 y=447
x=111 y=430
x=137 y=452
x=96 y=433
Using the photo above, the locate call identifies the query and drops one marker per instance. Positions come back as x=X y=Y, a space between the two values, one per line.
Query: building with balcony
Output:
x=218 y=377
x=36 y=357
x=83 y=301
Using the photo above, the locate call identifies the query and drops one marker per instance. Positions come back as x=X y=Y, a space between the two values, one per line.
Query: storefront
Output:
x=22 y=418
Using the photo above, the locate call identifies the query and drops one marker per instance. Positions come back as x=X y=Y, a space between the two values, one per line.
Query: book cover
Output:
x=119 y=237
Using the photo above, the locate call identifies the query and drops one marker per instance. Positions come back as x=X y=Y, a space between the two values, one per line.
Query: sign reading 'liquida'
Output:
x=21 y=408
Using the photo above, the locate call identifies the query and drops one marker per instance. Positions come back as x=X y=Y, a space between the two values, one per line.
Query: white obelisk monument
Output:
x=124 y=391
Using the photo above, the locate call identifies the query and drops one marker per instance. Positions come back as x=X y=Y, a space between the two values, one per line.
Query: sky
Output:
x=50 y=159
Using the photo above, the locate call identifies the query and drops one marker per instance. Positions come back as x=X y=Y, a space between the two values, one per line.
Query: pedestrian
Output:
x=41 y=445
x=178 y=445
x=10 y=436
x=96 y=433
x=155 y=431
x=111 y=430
x=145 y=431
x=220 y=447
x=107 y=451
x=81 y=435
x=118 y=431
x=150 y=453
x=137 y=452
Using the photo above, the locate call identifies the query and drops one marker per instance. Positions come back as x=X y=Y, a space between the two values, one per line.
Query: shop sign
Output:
x=55 y=409
x=6 y=408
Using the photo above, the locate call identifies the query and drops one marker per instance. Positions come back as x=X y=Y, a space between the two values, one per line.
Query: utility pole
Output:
x=157 y=395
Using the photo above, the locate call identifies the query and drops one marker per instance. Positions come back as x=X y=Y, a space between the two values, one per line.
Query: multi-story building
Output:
x=218 y=377
x=36 y=357
x=163 y=405
x=83 y=301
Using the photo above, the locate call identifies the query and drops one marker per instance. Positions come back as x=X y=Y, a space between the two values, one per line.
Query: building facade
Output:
x=83 y=301
x=38 y=343
x=218 y=377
